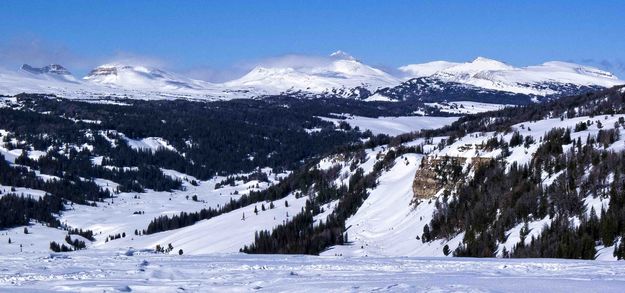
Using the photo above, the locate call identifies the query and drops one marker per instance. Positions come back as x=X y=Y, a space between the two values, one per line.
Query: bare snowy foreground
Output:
x=129 y=271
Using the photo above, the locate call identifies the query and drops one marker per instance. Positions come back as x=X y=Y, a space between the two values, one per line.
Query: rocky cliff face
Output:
x=103 y=71
x=437 y=173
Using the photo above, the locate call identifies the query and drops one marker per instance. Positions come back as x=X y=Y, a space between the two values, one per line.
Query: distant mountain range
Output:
x=340 y=74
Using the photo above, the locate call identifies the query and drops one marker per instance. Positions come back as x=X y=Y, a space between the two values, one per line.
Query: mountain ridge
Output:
x=339 y=74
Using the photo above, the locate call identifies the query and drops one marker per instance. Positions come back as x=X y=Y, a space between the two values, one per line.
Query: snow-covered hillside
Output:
x=387 y=223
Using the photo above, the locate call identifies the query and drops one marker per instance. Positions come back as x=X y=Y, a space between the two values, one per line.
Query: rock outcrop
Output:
x=437 y=173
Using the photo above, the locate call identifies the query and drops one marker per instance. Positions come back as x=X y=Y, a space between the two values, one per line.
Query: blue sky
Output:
x=219 y=39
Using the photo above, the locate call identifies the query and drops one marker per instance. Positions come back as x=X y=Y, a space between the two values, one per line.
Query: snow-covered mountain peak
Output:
x=338 y=72
x=453 y=69
x=51 y=69
x=352 y=67
x=115 y=69
x=479 y=64
x=486 y=60
x=342 y=55
x=541 y=80
x=51 y=72
x=426 y=69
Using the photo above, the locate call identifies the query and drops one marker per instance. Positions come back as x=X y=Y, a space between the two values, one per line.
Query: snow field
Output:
x=394 y=125
x=136 y=271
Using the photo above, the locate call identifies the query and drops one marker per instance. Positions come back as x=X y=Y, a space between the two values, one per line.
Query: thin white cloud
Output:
x=297 y=61
x=215 y=75
x=132 y=59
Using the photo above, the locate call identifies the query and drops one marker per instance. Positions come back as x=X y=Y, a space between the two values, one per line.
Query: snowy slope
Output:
x=388 y=223
x=226 y=233
x=539 y=80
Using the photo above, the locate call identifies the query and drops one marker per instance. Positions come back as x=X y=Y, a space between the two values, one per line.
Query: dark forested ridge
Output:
x=222 y=137
x=605 y=101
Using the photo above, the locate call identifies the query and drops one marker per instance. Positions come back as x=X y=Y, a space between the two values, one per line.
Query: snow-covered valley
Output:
x=399 y=190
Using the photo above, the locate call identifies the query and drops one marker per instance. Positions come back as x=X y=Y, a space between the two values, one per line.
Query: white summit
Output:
x=339 y=71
